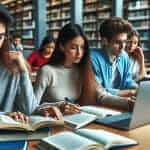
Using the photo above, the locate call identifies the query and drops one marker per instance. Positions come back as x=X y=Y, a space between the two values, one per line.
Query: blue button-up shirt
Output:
x=103 y=70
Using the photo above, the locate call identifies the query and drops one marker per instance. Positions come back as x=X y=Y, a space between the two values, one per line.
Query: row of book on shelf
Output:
x=73 y=139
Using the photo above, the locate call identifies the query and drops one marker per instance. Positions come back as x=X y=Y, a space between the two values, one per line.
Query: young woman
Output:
x=69 y=75
x=40 y=57
x=136 y=55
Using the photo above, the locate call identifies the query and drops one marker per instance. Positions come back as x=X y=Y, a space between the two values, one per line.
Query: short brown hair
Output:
x=112 y=26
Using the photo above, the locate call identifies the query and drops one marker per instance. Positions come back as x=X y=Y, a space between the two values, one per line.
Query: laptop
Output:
x=140 y=114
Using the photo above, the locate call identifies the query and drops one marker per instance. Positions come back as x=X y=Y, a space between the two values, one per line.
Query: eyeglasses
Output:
x=2 y=36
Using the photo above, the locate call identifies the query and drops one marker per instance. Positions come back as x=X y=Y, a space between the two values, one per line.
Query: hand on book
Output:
x=68 y=108
x=18 y=116
x=52 y=111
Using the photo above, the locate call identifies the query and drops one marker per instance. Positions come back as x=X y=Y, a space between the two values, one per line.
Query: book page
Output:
x=99 y=111
x=7 y=119
x=80 y=119
x=71 y=141
x=7 y=122
x=40 y=121
x=37 y=119
x=107 y=138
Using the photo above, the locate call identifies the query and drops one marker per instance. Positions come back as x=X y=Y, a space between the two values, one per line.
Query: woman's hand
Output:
x=139 y=54
x=52 y=111
x=68 y=108
x=15 y=57
x=18 y=116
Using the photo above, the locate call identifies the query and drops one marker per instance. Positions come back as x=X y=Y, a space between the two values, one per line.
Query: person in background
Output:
x=40 y=57
x=69 y=75
x=16 y=43
x=111 y=64
x=136 y=55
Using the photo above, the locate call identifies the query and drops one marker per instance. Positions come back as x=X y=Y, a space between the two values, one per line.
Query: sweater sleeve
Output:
x=26 y=100
x=43 y=80
x=106 y=99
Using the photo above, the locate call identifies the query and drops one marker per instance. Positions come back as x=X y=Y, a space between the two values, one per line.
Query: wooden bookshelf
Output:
x=58 y=14
x=24 y=23
x=95 y=11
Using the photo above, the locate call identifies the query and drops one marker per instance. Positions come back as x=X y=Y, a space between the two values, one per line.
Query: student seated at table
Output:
x=136 y=56
x=69 y=75
x=16 y=92
x=16 y=89
x=111 y=64
x=40 y=57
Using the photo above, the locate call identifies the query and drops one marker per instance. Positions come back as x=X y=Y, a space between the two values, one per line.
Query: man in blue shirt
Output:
x=110 y=63
x=16 y=43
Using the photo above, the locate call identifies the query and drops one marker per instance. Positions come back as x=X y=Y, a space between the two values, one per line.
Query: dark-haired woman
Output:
x=40 y=57
x=136 y=55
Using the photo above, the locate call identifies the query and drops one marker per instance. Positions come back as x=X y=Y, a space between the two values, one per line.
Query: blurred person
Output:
x=136 y=56
x=16 y=43
x=40 y=57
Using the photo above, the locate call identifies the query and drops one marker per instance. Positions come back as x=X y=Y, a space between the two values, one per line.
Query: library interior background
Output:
x=35 y=18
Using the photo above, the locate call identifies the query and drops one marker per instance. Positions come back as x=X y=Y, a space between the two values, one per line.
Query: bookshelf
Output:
x=138 y=13
x=24 y=23
x=58 y=14
x=95 y=11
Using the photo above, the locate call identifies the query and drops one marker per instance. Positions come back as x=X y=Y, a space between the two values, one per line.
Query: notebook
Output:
x=140 y=114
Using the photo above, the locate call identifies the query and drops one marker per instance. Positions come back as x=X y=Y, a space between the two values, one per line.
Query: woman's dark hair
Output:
x=48 y=39
x=66 y=34
x=5 y=16
x=134 y=32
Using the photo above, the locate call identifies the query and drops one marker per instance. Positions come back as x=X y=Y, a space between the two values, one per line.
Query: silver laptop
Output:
x=140 y=114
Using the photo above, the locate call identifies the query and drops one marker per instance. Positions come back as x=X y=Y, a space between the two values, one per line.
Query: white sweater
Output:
x=54 y=84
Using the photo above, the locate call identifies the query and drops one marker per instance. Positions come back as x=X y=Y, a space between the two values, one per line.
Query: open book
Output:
x=85 y=139
x=78 y=120
x=100 y=112
x=87 y=115
x=35 y=122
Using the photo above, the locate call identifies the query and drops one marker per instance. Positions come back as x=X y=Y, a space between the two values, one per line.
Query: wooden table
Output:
x=142 y=135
